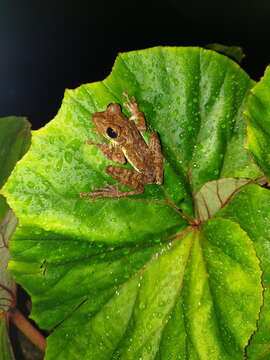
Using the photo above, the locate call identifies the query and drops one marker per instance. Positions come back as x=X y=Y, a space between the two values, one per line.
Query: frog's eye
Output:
x=111 y=133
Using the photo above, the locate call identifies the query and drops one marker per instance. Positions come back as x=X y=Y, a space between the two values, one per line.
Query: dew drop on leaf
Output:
x=68 y=156
x=59 y=165
x=142 y=306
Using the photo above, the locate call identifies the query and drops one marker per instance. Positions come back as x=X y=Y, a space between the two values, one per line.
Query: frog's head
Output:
x=109 y=122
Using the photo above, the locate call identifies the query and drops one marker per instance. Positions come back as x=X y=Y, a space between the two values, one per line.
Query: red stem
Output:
x=28 y=329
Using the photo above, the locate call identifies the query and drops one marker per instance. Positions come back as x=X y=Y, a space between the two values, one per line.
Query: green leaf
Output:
x=5 y=346
x=235 y=52
x=183 y=302
x=214 y=195
x=15 y=140
x=145 y=276
x=7 y=225
x=258 y=113
x=250 y=208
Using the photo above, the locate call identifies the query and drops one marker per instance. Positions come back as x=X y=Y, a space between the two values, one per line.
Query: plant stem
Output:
x=28 y=329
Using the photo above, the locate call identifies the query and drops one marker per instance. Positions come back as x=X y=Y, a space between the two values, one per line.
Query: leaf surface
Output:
x=14 y=142
x=214 y=195
x=5 y=346
x=250 y=208
x=142 y=277
x=7 y=224
x=235 y=52
x=258 y=113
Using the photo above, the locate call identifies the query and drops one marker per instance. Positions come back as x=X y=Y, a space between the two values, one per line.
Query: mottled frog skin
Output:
x=127 y=144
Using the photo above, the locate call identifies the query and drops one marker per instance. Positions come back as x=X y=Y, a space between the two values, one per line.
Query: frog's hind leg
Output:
x=112 y=191
x=127 y=177
x=155 y=148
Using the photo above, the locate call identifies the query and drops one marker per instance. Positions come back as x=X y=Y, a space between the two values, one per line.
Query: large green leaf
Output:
x=143 y=277
x=250 y=208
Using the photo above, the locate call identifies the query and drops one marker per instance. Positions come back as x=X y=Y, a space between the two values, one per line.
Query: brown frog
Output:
x=126 y=143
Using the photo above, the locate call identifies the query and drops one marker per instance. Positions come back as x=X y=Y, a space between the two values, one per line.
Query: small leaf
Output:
x=14 y=142
x=7 y=226
x=235 y=52
x=15 y=139
x=214 y=195
x=258 y=113
x=8 y=223
x=5 y=346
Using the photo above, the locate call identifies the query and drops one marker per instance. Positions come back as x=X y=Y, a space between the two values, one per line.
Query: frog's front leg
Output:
x=113 y=153
x=127 y=177
x=136 y=114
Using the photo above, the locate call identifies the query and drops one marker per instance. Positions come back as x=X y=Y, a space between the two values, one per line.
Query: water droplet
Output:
x=68 y=157
x=59 y=165
x=142 y=306
x=157 y=315
x=30 y=184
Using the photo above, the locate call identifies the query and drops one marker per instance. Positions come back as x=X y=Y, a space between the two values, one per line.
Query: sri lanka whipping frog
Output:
x=126 y=143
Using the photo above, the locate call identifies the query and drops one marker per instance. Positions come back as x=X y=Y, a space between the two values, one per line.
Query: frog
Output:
x=126 y=143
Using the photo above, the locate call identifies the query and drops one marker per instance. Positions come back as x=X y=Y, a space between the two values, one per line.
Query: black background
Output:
x=47 y=46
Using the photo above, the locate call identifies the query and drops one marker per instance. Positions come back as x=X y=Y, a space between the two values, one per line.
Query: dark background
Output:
x=47 y=46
